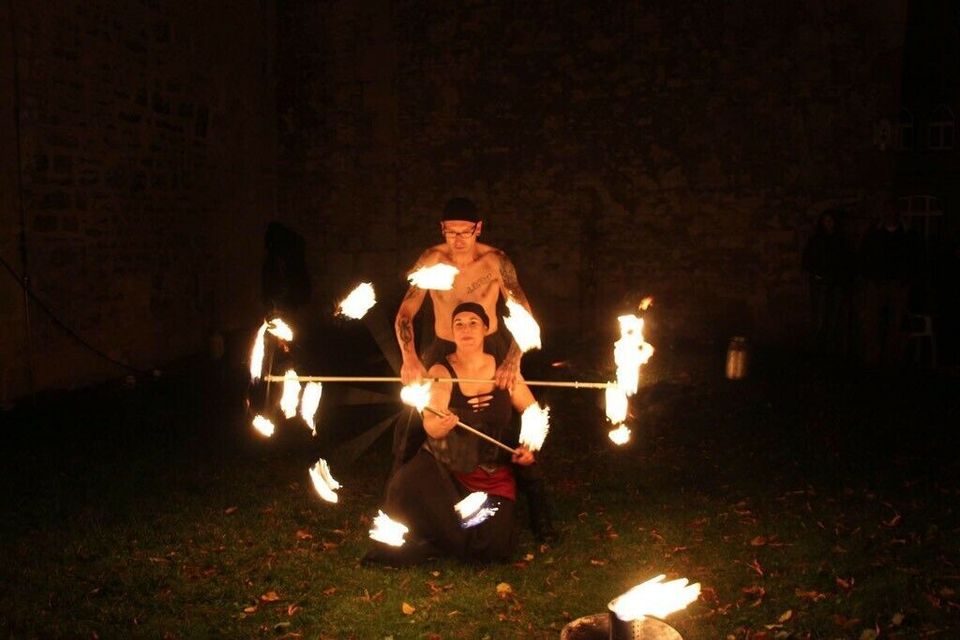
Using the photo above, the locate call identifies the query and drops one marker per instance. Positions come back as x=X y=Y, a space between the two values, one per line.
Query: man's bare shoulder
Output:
x=487 y=252
x=433 y=255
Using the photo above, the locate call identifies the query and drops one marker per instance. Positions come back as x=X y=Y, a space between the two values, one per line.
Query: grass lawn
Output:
x=809 y=501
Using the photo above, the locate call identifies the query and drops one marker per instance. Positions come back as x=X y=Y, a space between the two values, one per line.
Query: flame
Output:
x=474 y=509
x=439 y=276
x=522 y=326
x=654 y=598
x=309 y=402
x=276 y=327
x=534 y=425
x=616 y=404
x=291 y=394
x=620 y=436
x=264 y=426
x=416 y=394
x=630 y=352
x=646 y=303
x=388 y=531
x=256 y=354
x=360 y=300
x=323 y=482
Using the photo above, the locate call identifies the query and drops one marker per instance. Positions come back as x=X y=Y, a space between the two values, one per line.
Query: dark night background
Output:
x=618 y=149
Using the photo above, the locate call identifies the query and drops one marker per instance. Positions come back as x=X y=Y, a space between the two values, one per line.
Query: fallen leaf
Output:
x=597 y=563
x=329 y=591
x=528 y=557
x=897 y=619
x=868 y=634
x=786 y=615
x=759 y=541
x=844 y=584
x=327 y=546
x=249 y=609
x=815 y=596
x=504 y=589
x=230 y=510
x=304 y=535
x=292 y=609
x=269 y=596
x=407 y=609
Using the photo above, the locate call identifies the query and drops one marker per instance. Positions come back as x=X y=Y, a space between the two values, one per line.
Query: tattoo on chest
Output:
x=479 y=282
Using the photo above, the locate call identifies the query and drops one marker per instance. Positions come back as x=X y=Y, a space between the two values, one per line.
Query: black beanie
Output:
x=460 y=209
x=472 y=307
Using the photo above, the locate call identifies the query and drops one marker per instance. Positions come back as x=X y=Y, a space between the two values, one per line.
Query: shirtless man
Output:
x=486 y=273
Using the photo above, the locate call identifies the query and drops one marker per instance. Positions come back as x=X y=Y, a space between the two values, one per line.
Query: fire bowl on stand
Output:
x=607 y=626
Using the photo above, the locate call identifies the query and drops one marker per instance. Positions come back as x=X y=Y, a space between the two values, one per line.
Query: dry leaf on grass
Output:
x=786 y=615
x=269 y=596
x=504 y=589
x=304 y=535
x=407 y=609
x=230 y=510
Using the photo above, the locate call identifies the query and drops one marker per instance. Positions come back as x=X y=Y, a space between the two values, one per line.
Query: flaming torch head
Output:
x=358 y=302
x=291 y=394
x=280 y=329
x=534 y=425
x=438 y=277
x=654 y=598
x=474 y=509
x=323 y=482
x=309 y=403
x=416 y=395
x=630 y=352
x=619 y=436
x=522 y=326
x=388 y=531
x=616 y=404
x=263 y=426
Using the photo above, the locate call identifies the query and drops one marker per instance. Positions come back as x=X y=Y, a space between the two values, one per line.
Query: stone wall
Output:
x=618 y=149
x=147 y=145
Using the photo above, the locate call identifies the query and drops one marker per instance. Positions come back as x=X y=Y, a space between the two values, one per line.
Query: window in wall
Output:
x=940 y=129
x=906 y=134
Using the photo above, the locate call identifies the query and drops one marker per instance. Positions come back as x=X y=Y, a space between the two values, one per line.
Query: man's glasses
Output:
x=462 y=235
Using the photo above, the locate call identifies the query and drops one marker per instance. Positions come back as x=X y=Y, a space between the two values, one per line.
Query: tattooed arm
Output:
x=412 y=368
x=508 y=373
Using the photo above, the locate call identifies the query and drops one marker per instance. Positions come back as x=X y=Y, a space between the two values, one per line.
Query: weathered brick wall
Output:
x=148 y=144
x=618 y=148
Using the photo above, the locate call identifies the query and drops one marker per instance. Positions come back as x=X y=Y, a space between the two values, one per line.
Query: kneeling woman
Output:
x=454 y=462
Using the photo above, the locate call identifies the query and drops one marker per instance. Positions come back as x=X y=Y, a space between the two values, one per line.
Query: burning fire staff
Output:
x=486 y=276
x=454 y=462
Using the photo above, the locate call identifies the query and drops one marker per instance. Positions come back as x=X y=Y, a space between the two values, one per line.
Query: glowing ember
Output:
x=534 y=424
x=416 y=395
x=264 y=426
x=654 y=598
x=309 y=403
x=620 y=436
x=616 y=401
x=280 y=329
x=522 y=326
x=630 y=352
x=645 y=304
x=388 y=531
x=291 y=394
x=439 y=277
x=256 y=354
x=474 y=509
x=323 y=482
x=358 y=302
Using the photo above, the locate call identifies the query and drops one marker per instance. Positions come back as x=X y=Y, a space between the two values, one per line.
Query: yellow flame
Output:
x=323 y=482
x=534 y=425
x=630 y=352
x=358 y=302
x=291 y=394
x=620 y=436
x=616 y=403
x=388 y=531
x=309 y=402
x=280 y=329
x=262 y=425
x=646 y=303
x=654 y=598
x=522 y=326
x=256 y=354
x=439 y=277
x=416 y=394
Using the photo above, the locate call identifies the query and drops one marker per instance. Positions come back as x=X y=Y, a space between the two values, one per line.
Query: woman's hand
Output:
x=523 y=456
x=446 y=423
